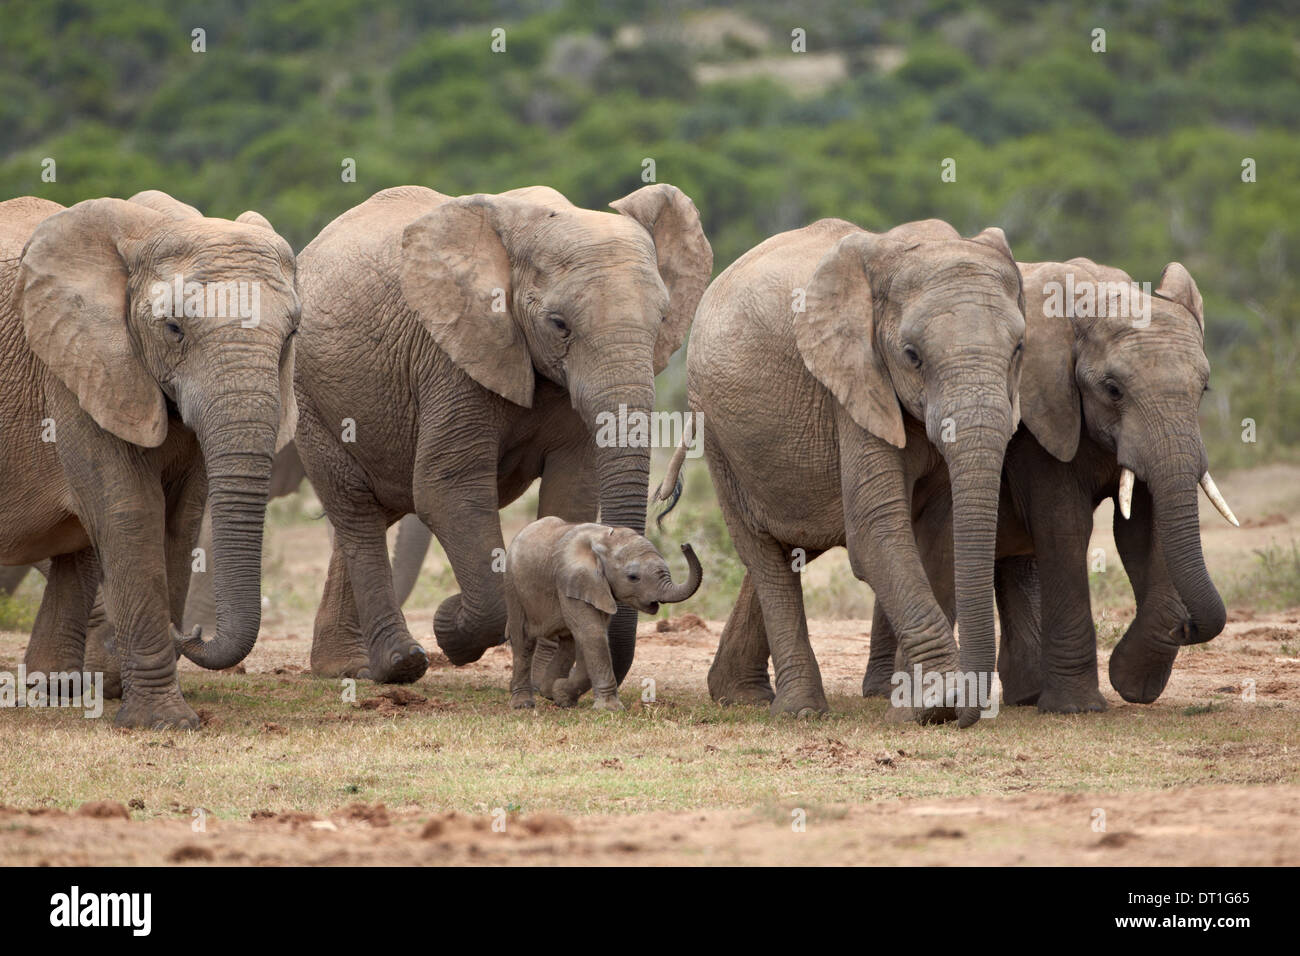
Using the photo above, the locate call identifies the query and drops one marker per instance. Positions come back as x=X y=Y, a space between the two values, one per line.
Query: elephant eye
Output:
x=1112 y=390
x=634 y=577
x=176 y=330
x=559 y=323
x=912 y=355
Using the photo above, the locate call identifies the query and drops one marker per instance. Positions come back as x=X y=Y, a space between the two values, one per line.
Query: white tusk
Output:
x=1125 y=491
x=1212 y=492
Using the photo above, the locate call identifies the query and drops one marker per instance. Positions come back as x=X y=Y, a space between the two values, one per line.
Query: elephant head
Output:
x=1129 y=369
x=522 y=284
x=153 y=316
x=919 y=320
x=619 y=564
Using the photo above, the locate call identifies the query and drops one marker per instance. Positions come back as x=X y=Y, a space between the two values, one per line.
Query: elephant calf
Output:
x=564 y=581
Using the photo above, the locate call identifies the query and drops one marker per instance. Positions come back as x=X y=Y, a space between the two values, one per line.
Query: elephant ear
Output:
x=251 y=217
x=582 y=573
x=1049 y=395
x=994 y=238
x=683 y=254
x=836 y=334
x=288 y=403
x=1177 y=285
x=161 y=202
x=72 y=295
x=455 y=274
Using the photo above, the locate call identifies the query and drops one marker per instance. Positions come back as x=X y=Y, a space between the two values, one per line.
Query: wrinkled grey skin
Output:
x=563 y=583
x=153 y=417
x=201 y=606
x=287 y=475
x=472 y=342
x=1107 y=394
x=906 y=338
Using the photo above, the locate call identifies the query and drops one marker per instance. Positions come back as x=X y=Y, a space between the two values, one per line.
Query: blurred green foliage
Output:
x=1132 y=157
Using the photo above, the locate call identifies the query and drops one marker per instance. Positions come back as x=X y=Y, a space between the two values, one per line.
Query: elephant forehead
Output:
x=221 y=243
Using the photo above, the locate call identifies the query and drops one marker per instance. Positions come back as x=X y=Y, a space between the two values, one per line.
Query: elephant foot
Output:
x=562 y=695
x=741 y=692
x=398 y=660
x=461 y=645
x=728 y=686
x=522 y=701
x=354 y=666
x=800 y=704
x=877 y=684
x=153 y=713
x=1071 y=700
x=611 y=703
x=1140 y=669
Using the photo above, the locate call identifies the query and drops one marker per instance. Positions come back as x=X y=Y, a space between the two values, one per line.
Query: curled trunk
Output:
x=670 y=593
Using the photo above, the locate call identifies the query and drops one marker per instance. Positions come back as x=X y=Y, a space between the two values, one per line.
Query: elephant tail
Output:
x=670 y=489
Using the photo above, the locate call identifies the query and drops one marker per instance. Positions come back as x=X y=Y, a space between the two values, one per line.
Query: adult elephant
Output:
x=885 y=358
x=455 y=349
x=121 y=416
x=1116 y=380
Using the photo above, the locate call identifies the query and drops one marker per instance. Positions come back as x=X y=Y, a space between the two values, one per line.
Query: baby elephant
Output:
x=563 y=582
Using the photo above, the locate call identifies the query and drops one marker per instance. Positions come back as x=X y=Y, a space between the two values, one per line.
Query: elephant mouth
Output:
x=651 y=608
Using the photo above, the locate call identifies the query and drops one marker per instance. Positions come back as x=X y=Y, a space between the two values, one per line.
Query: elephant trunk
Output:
x=670 y=593
x=976 y=475
x=237 y=451
x=623 y=472
x=1173 y=480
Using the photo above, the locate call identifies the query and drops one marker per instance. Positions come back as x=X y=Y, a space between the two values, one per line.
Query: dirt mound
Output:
x=376 y=816
x=398 y=699
x=684 y=622
x=104 y=810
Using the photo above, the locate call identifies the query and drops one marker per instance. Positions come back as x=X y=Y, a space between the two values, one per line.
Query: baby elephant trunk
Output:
x=670 y=593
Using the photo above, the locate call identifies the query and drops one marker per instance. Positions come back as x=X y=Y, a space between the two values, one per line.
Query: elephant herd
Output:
x=943 y=412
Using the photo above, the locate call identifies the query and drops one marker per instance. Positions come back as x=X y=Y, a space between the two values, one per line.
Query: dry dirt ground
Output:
x=289 y=769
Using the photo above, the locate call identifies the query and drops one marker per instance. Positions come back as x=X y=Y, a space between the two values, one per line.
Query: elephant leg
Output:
x=102 y=652
x=395 y=656
x=521 y=652
x=594 y=667
x=460 y=507
x=360 y=543
x=552 y=660
x=1068 y=648
x=128 y=529
x=1143 y=659
x=186 y=512
x=201 y=603
x=799 y=688
x=878 y=680
x=904 y=573
x=58 y=638
x=933 y=531
x=1020 y=670
x=408 y=555
x=337 y=647
x=739 y=672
